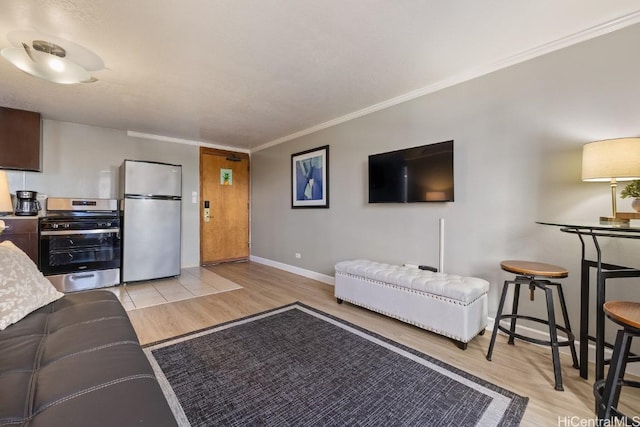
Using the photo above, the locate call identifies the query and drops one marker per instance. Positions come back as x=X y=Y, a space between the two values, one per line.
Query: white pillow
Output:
x=23 y=288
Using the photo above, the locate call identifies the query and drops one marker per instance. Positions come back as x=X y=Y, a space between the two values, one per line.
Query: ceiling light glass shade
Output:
x=5 y=198
x=78 y=54
x=46 y=66
x=611 y=159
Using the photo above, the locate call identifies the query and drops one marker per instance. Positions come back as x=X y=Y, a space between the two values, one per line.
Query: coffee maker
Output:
x=27 y=203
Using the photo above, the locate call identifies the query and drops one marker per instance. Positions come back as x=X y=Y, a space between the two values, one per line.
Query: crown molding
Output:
x=572 y=39
x=186 y=141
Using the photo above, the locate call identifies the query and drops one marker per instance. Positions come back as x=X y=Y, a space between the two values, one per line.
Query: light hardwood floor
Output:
x=525 y=369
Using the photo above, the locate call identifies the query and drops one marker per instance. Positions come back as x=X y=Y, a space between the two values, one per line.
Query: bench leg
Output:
x=463 y=345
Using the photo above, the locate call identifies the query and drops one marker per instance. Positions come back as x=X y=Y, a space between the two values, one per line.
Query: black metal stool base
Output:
x=607 y=391
x=554 y=343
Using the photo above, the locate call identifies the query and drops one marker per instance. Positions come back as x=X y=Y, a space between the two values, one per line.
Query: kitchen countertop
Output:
x=21 y=216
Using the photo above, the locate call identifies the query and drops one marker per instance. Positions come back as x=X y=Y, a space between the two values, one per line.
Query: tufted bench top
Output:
x=459 y=288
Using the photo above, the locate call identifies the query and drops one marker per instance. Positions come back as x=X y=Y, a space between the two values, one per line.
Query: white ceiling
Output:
x=252 y=73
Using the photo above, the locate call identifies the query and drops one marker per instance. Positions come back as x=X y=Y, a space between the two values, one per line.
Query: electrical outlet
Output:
x=298 y=256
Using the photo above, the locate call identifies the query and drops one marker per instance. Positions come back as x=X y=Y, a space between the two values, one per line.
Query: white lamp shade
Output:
x=5 y=196
x=611 y=159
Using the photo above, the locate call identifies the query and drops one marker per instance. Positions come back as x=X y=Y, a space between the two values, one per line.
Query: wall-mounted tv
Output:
x=418 y=174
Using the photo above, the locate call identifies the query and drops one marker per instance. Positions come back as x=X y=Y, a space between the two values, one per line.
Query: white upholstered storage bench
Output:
x=449 y=305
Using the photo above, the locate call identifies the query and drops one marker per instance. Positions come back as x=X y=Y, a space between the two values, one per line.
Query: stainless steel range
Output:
x=80 y=243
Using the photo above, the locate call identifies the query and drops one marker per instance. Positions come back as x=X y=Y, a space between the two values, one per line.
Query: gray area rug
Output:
x=297 y=366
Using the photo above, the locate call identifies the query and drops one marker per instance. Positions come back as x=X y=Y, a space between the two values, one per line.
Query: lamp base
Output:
x=608 y=220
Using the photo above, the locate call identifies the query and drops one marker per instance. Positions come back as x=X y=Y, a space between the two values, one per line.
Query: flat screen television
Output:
x=418 y=174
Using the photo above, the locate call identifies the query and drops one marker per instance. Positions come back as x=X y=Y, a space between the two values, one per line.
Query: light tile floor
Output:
x=192 y=282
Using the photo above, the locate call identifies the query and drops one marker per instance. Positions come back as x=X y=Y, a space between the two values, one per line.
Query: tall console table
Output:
x=604 y=271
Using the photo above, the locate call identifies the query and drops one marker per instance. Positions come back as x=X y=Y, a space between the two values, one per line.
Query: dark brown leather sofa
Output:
x=78 y=362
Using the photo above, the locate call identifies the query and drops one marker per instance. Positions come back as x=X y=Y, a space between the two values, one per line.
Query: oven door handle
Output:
x=71 y=232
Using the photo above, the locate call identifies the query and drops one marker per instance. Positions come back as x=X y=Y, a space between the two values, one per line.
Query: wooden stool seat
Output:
x=625 y=313
x=531 y=268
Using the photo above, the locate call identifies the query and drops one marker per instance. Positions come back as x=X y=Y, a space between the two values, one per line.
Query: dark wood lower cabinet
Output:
x=23 y=232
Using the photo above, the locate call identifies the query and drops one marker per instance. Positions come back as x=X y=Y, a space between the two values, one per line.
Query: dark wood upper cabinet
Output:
x=20 y=140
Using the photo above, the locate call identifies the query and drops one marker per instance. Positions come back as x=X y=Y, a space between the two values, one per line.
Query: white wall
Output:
x=518 y=138
x=83 y=161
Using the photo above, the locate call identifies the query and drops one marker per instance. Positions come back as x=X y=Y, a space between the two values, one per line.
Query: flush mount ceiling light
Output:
x=51 y=58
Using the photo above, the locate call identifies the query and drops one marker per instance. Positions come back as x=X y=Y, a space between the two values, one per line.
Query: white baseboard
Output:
x=189 y=266
x=632 y=368
x=329 y=280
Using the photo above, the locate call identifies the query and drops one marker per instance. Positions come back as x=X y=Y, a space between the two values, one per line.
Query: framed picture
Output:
x=310 y=178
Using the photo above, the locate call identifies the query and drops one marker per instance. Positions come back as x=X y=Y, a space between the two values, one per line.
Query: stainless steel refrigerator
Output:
x=151 y=201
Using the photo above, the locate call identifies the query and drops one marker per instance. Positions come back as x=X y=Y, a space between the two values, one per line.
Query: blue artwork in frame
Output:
x=310 y=178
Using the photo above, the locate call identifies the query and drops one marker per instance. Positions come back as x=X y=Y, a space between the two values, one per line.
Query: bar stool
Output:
x=607 y=391
x=536 y=275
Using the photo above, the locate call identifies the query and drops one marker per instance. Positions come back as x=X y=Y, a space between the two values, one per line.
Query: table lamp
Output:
x=6 y=207
x=611 y=160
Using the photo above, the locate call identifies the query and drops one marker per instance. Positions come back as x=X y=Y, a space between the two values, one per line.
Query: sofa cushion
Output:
x=78 y=362
x=23 y=288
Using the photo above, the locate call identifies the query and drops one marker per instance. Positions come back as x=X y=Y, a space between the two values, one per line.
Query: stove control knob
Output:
x=54 y=225
x=65 y=225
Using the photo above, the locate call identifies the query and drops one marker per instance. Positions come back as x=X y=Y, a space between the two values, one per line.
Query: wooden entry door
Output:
x=224 y=188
